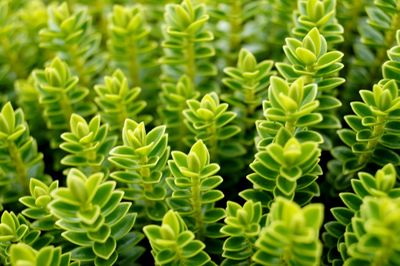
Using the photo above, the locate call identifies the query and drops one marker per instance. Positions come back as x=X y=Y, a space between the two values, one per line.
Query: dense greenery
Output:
x=199 y=132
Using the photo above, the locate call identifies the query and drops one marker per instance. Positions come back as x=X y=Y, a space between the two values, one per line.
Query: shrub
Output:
x=188 y=132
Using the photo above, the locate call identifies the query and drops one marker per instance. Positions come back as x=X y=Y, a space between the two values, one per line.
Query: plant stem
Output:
x=182 y=129
x=66 y=107
x=235 y=21
x=377 y=133
x=147 y=187
x=212 y=141
x=196 y=204
x=133 y=63
x=191 y=60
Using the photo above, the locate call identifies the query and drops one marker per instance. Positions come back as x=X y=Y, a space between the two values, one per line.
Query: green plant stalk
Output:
x=235 y=22
x=249 y=98
x=145 y=173
x=308 y=79
x=377 y=132
x=183 y=131
x=213 y=142
x=66 y=106
x=191 y=60
x=20 y=168
x=196 y=201
x=122 y=115
x=133 y=63
x=289 y=125
x=94 y=168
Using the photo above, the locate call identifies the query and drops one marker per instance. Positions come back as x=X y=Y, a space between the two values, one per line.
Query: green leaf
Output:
x=106 y=249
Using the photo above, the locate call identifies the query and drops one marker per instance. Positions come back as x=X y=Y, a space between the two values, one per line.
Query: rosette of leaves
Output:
x=37 y=204
x=92 y=217
x=234 y=18
x=71 y=36
x=382 y=185
x=286 y=168
x=118 y=102
x=87 y=144
x=291 y=106
x=173 y=99
x=19 y=156
x=173 y=243
x=247 y=84
x=193 y=190
x=295 y=228
x=311 y=60
x=372 y=136
x=15 y=229
x=375 y=237
x=130 y=46
x=319 y=14
x=60 y=96
x=242 y=225
x=391 y=68
x=210 y=121
x=141 y=160
x=22 y=254
x=187 y=48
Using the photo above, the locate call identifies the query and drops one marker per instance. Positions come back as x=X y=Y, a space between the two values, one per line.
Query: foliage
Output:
x=24 y=254
x=292 y=107
x=248 y=82
x=172 y=243
x=294 y=227
x=92 y=217
x=373 y=128
x=311 y=60
x=319 y=14
x=142 y=159
x=87 y=144
x=211 y=121
x=340 y=234
x=70 y=34
x=377 y=31
x=118 y=102
x=187 y=48
x=173 y=98
x=251 y=97
x=129 y=44
x=242 y=225
x=286 y=168
x=238 y=16
x=193 y=190
x=61 y=96
x=20 y=159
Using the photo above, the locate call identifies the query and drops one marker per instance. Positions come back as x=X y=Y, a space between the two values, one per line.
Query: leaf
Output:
x=106 y=249
x=121 y=228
